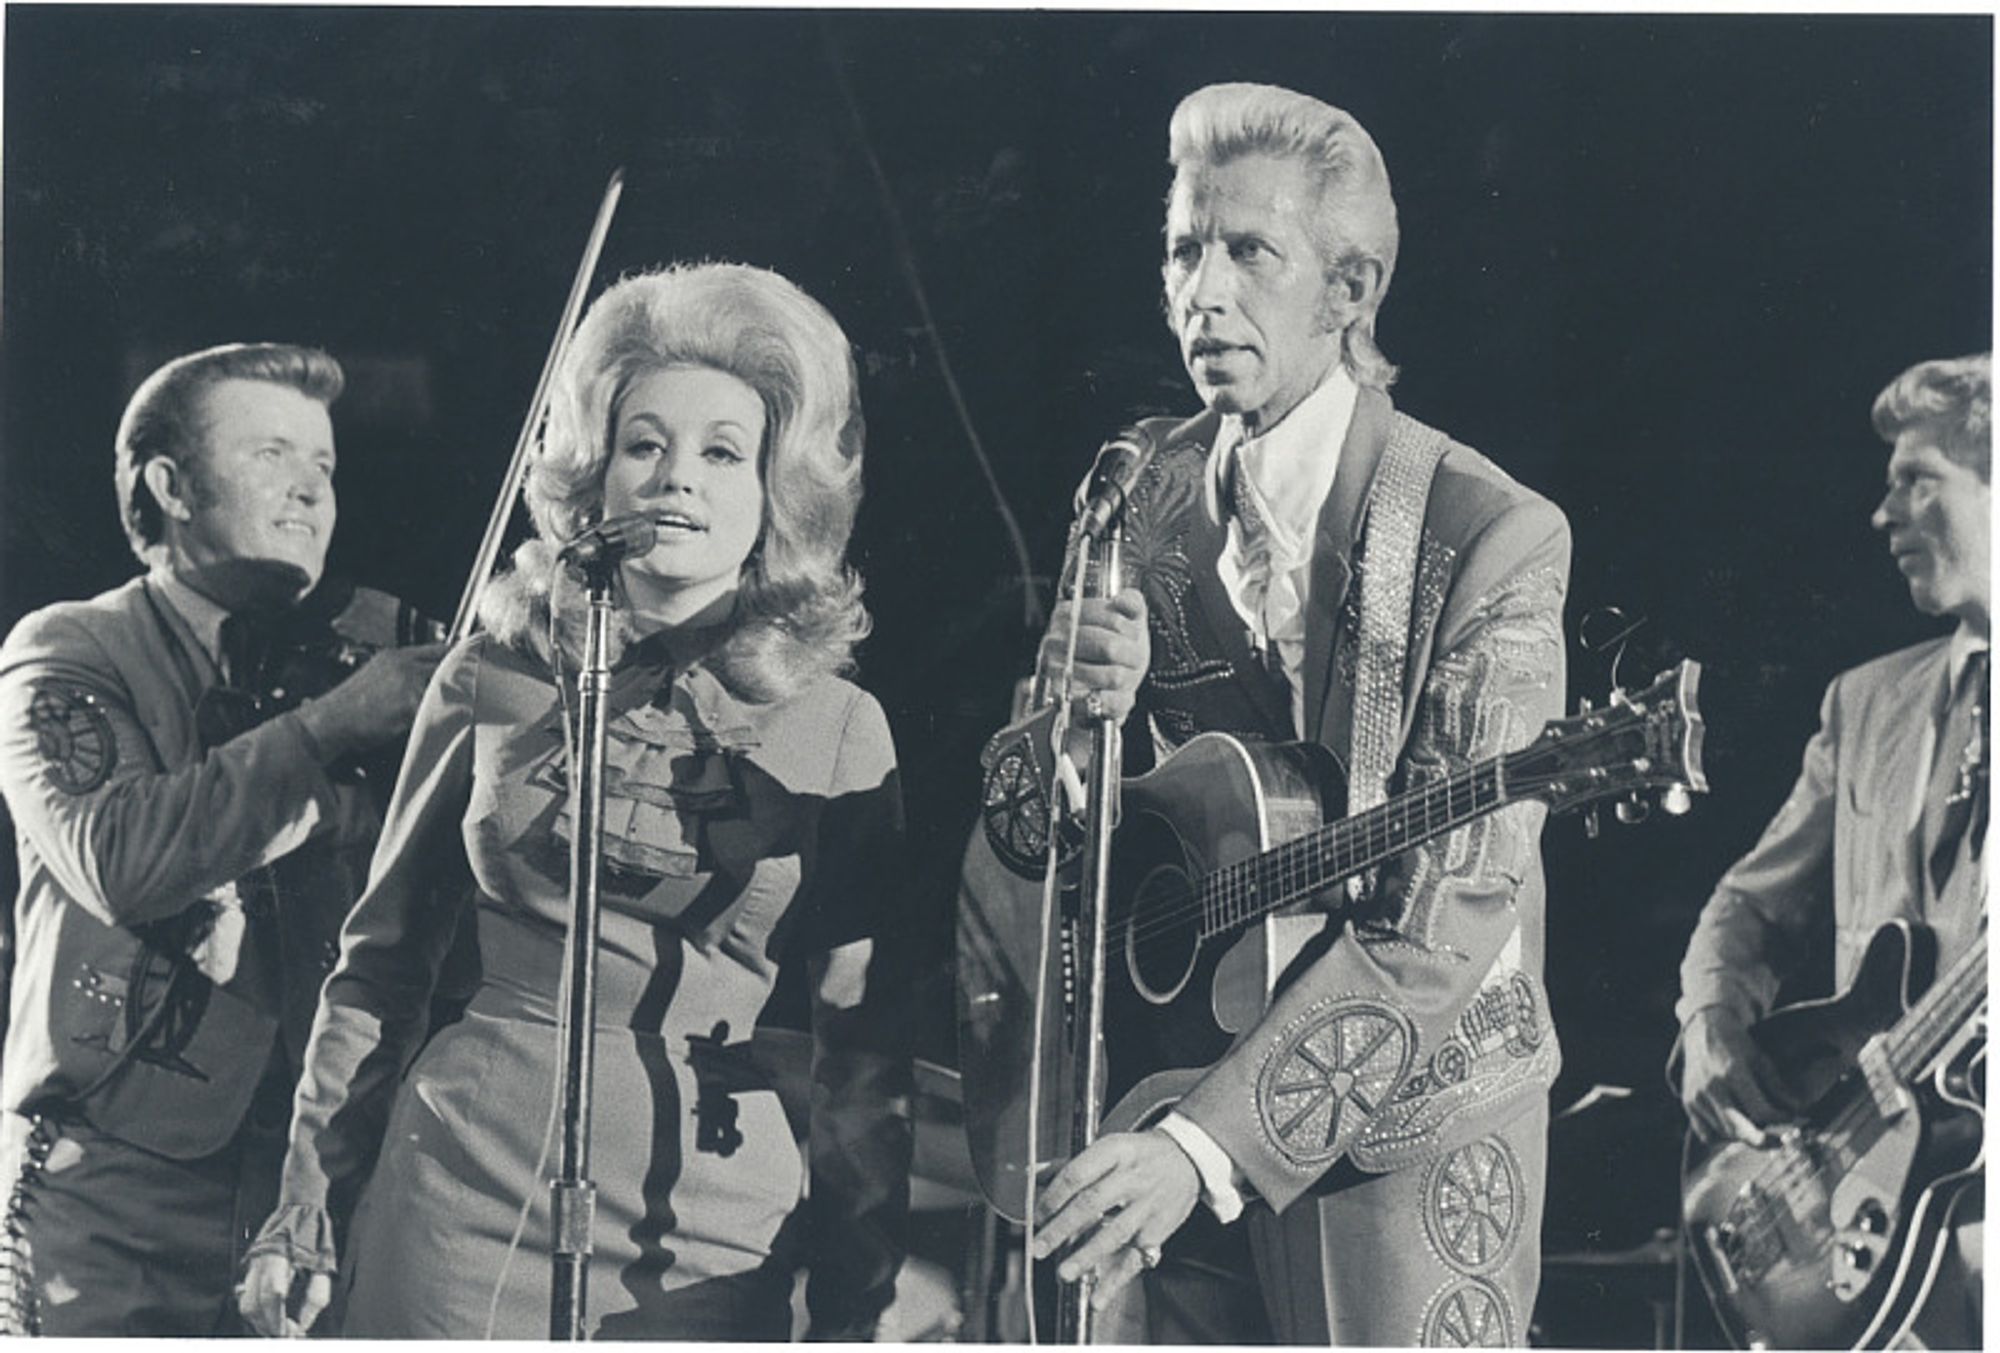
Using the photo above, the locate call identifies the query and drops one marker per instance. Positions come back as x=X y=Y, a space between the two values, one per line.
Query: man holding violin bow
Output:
x=188 y=847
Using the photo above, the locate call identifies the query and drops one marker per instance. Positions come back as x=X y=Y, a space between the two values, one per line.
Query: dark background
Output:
x=1656 y=267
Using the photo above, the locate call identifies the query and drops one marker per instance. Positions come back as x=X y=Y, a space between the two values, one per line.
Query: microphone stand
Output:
x=1100 y=562
x=573 y=1196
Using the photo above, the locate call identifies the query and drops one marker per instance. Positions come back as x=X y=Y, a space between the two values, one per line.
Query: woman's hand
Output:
x=264 y=1297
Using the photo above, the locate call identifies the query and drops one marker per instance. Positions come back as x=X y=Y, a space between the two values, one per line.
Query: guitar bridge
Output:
x=1749 y=1240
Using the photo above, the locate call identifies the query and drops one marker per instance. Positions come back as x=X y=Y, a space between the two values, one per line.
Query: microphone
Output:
x=612 y=540
x=1120 y=461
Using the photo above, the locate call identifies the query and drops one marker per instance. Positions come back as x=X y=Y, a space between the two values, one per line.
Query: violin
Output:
x=278 y=660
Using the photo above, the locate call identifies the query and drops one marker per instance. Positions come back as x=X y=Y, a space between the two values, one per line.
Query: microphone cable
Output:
x=1059 y=736
x=562 y=999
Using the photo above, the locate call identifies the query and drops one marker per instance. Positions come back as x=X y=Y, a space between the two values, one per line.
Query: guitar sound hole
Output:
x=1161 y=935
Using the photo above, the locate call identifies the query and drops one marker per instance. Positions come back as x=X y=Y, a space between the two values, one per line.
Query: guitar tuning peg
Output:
x=1676 y=800
x=1633 y=809
x=1591 y=825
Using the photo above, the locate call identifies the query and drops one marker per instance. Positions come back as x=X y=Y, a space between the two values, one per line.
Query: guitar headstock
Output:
x=1640 y=741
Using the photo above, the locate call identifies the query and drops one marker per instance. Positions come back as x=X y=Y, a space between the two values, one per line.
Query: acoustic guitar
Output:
x=1227 y=861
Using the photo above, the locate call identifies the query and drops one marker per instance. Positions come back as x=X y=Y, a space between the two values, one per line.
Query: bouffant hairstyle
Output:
x=799 y=613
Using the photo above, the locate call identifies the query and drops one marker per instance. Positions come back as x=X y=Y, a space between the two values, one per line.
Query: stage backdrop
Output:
x=1656 y=267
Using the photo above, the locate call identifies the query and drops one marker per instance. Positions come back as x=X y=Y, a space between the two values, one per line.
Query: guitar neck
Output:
x=1252 y=888
x=1929 y=1027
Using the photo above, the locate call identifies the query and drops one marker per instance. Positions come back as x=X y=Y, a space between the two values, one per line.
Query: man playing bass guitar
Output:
x=1885 y=823
x=1313 y=564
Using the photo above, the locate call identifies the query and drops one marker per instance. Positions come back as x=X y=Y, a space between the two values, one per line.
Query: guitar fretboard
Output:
x=1916 y=1040
x=1255 y=887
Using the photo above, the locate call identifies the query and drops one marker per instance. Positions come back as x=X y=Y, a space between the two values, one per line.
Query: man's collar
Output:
x=203 y=616
x=1964 y=643
x=1331 y=402
x=1293 y=462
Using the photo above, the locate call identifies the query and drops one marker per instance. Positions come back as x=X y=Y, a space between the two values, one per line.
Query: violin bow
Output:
x=517 y=468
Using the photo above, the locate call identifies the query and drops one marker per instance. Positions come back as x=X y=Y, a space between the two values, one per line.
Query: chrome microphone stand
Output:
x=573 y=1195
x=1098 y=556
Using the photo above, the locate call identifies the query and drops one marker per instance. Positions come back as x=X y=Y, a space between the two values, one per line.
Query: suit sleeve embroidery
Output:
x=1332 y=1069
x=1437 y=946
x=73 y=736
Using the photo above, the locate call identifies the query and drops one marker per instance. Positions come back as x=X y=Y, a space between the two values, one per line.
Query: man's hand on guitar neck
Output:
x=1728 y=1086
x=1118 y=1200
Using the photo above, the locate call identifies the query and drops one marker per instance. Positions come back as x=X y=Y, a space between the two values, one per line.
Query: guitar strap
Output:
x=1391 y=537
x=1391 y=540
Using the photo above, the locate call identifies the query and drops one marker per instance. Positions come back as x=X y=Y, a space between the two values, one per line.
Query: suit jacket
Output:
x=171 y=896
x=1425 y=1024
x=1841 y=851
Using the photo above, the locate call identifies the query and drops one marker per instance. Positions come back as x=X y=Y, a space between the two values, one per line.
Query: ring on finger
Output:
x=1149 y=1255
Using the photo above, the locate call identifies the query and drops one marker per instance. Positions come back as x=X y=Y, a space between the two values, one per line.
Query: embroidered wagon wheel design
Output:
x=1015 y=809
x=74 y=737
x=1472 y=1205
x=1327 y=1079
x=1451 y=1063
x=1524 y=1031
x=1470 y=1315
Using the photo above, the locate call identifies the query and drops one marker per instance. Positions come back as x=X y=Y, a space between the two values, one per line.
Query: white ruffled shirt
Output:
x=1287 y=471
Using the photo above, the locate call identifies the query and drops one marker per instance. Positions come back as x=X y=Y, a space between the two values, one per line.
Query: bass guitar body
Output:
x=1832 y=1236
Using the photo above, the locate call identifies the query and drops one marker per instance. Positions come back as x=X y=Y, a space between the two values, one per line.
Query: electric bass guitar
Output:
x=1831 y=1237
x=1225 y=864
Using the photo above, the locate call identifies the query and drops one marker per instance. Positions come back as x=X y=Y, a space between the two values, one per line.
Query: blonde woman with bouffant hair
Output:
x=799 y=609
x=752 y=822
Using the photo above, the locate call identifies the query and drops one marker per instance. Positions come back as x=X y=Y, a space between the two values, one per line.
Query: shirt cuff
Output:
x=1218 y=1172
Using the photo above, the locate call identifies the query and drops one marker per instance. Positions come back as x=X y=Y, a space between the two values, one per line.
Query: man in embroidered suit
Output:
x=1888 y=817
x=1313 y=564
x=181 y=878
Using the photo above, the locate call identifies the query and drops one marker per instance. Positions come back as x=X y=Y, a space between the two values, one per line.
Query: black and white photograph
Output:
x=1170 y=676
